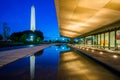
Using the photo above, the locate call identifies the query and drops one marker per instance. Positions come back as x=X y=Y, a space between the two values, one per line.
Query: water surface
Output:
x=42 y=65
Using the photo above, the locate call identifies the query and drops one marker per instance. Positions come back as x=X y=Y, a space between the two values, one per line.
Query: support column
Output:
x=100 y=40
x=97 y=41
x=104 y=41
x=109 y=40
x=93 y=37
x=84 y=41
x=115 y=40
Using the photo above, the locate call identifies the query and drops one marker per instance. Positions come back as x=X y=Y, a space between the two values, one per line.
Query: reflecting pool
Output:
x=42 y=65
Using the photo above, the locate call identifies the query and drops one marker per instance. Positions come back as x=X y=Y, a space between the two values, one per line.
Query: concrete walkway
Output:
x=9 y=56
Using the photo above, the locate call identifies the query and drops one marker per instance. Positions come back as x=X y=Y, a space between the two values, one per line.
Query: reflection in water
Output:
x=32 y=64
x=75 y=66
x=39 y=53
x=34 y=67
x=63 y=47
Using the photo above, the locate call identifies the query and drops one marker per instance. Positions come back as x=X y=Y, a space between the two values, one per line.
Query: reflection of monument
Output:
x=32 y=23
x=32 y=64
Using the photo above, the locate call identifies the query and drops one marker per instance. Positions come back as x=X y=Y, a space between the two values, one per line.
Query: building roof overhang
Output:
x=79 y=17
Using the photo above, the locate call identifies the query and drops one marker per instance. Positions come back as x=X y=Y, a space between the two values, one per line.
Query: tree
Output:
x=50 y=41
x=39 y=34
x=1 y=37
x=67 y=40
x=16 y=36
x=27 y=35
x=23 y=38
x=38 y=39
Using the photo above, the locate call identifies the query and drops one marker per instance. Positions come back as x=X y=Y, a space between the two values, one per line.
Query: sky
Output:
x=16 y=13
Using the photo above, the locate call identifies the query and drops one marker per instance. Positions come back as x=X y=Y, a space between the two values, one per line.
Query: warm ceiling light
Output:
x=86 y=15
x=94 y=4
x=70 y=33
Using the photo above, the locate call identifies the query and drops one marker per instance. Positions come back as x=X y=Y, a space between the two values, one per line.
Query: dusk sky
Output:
x=17 y=14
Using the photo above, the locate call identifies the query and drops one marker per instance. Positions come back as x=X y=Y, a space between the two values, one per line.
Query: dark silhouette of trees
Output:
x=39 y=34
x=67 y=40
x=27 y=36
x=1 y=37
x=16 y=36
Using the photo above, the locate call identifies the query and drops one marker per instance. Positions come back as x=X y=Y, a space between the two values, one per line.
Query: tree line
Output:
x=25 y=36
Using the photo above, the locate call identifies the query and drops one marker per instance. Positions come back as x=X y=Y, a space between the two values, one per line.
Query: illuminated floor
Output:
x=75 y=66
x=109 y=58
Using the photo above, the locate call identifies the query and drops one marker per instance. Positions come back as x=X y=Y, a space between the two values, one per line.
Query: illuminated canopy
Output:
x=77 y=17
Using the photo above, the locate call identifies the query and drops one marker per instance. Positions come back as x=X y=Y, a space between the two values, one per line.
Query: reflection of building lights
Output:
x=115 y=56
x=92 y=50
x=76 y=40
x=101 y=52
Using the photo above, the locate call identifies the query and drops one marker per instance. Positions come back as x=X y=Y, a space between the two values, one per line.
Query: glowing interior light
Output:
x=115 y=56
x=101 y=52
x=92 y=50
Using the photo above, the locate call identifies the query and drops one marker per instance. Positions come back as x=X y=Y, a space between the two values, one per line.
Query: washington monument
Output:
x=32 y=23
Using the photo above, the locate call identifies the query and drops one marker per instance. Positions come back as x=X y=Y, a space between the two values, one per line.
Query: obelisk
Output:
x=32 y=24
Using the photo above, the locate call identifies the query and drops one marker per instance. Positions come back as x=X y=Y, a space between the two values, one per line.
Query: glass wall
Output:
x=99 y=40
x=112 y=40
x=118 y=39
x=106 y=40
x=95 y=40
x=89 y=40
x=102 y=40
